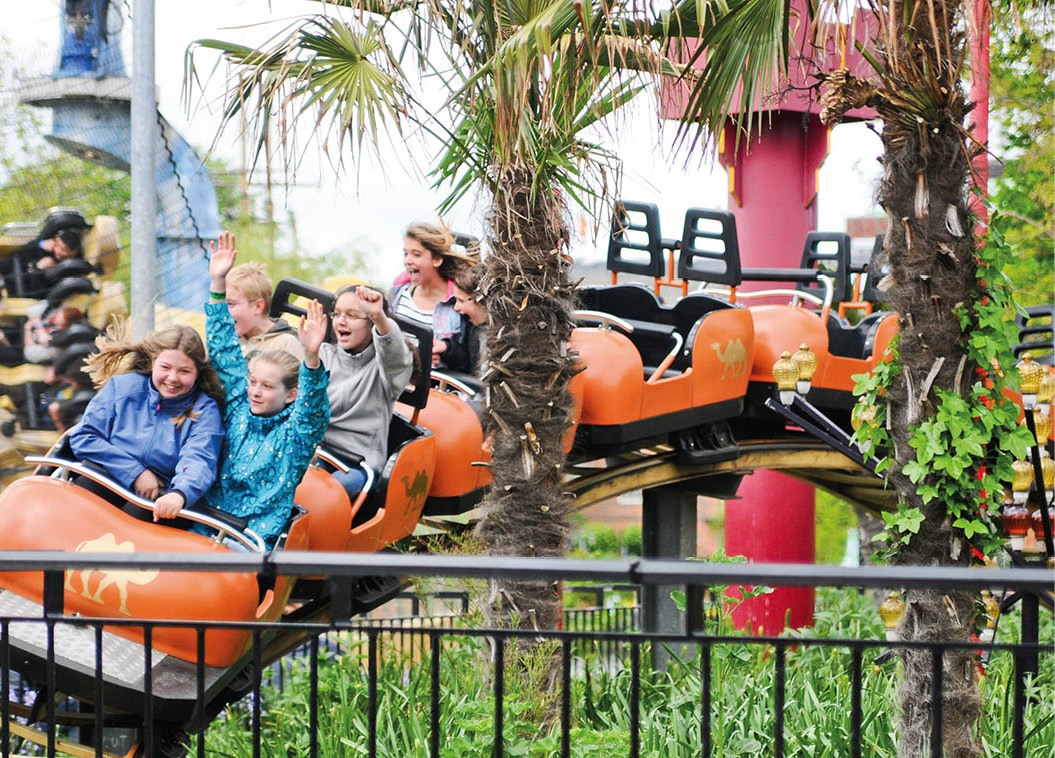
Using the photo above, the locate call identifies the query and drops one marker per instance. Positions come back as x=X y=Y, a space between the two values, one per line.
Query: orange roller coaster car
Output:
x=651 y=369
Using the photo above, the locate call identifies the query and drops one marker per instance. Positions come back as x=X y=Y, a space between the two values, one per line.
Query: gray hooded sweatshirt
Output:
x=363 y=387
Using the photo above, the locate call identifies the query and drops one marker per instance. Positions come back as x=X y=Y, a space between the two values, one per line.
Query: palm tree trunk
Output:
x=930 y=247
x=526 y=292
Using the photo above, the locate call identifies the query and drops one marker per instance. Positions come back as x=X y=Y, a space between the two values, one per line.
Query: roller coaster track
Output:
x=801 y=457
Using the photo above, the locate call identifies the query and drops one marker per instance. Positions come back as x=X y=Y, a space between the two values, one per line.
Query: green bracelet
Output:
x=218 y=295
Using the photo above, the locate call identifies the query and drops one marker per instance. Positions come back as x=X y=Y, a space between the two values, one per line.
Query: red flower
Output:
x=985 y=300
x=980 y=474
x=984 y=495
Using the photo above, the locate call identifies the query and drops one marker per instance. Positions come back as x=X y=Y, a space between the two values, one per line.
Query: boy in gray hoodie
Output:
x=369 y=367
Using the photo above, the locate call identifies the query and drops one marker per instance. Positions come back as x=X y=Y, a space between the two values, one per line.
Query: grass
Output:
x=816 y=713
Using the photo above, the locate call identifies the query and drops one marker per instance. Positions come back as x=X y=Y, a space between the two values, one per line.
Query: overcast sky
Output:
x=375 y=202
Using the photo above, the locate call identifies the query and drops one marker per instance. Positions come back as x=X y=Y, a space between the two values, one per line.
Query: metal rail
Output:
x=247 y=537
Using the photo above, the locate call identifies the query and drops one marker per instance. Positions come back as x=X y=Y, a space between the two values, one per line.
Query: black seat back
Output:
x=624 y=300
x=691 y=308
x=634 y=243
x=828 y=252
x=1035 y=333
x=417 y=395
x=710 y=248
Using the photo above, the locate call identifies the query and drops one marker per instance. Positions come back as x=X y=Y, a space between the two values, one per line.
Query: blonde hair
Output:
x=251 y=280
x=287 y=363
x=119 y=353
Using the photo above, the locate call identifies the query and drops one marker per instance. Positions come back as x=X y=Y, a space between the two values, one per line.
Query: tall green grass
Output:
x=816 y=712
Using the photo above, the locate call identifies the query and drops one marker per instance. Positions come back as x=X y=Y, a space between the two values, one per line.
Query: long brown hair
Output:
x=119 y=353
x=438 y=240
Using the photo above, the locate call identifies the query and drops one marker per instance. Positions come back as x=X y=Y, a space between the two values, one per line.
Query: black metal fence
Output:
x=609 y=608
x=149 y=713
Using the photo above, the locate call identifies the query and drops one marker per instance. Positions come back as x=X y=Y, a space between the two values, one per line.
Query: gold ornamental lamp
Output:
x=1023 y=479
x=1046 y=392
x=891 y=610
x=1030 y=373
x=1047 y=472
x=1041 y=422
x=806 y=360
x=786 y=375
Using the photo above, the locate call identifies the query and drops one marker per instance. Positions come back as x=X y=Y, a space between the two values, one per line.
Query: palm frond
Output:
x=343 y=74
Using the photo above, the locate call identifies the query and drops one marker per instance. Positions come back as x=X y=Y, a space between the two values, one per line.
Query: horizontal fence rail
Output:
x=597 y=642
x=644 y=571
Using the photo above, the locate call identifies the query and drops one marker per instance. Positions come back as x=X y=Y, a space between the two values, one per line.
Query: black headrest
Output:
x=469 y=243
x=635 y=228
x=833 y=261
x=67 y=268
x=289 y=288
x=74 y=285
x=710 y=248
x=73 y=334
x=62 y=218
x=877 y=269
x=70 y=360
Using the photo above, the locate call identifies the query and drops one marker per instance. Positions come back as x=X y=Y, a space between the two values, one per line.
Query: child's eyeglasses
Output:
x=336 y=315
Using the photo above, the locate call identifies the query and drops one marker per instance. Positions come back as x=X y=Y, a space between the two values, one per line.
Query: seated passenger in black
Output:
x=465 y=349
x=39 y=256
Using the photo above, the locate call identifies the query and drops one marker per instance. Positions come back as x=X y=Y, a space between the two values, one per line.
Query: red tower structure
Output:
x=773 y=194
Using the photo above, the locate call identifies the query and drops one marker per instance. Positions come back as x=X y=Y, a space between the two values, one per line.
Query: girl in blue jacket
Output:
x=155 y=425
x=275 y=416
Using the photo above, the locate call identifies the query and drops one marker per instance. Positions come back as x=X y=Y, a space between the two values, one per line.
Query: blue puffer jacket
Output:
x=264 y=457
x=128 y=428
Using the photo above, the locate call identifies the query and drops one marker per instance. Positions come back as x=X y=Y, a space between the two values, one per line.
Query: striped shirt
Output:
x=408 y=309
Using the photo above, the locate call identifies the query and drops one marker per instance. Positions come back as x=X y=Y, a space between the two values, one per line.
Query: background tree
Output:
x=1023 y=89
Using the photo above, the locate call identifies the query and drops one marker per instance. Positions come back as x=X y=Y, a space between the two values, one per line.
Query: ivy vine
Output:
x=964 y=449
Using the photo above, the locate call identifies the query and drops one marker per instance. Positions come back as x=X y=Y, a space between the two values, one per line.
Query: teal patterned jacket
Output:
x=264 y=457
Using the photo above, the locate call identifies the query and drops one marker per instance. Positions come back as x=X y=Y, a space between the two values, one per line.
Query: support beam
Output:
x=668 y=530
x=144 y=139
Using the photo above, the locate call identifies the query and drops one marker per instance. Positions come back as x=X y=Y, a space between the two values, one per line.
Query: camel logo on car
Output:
x=119 y=579
x=733 y=358
x=416 y=491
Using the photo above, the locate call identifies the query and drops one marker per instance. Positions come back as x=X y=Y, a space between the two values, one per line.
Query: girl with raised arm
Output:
x=277 y=410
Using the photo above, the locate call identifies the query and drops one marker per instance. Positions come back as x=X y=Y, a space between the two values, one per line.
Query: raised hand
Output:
x=372 y=300
x=373 y=303
x=312 y=332
x=222 y=260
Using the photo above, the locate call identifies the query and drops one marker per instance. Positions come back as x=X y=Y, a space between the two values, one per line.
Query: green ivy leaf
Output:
x=915 y=471
x=971 y=527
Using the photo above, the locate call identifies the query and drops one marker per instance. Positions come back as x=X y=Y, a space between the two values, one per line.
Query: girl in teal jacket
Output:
x=275 y=416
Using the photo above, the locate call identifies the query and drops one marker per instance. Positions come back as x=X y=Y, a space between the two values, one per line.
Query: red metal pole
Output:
x=772 y=193
x=979 y=48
